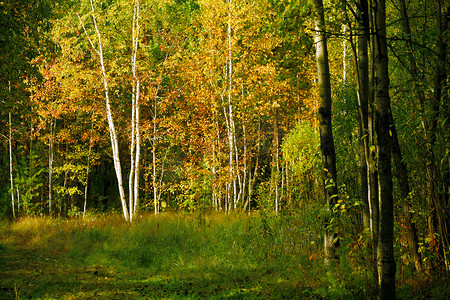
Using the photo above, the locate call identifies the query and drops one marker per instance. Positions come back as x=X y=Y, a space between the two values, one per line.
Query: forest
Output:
x=224 y=149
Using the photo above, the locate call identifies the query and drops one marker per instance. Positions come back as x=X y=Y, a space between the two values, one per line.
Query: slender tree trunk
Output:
x=66 y=172
x=445 y=100
x=132 y=154
x=112 y=129
x=50 y=164
x=11 y=180
x=18 y=199
x=138 y=155
x=344 y=58
x=137 y=112
x=88 y=169
x=325 y=128
x=440 y=84
x=133 y=182
x=385 y=250
x=402 y=175
x=214 y=174
x=276 y=145
x=363 y=97
x=215 y=139
x=87 y=180
x=367 y=157
x=154 y=179
x=230 y=117
x=373 y=194
x=244 y=176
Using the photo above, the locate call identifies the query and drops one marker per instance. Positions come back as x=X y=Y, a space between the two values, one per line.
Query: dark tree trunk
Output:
x=372 y=157
x=363 y=107
x=441 y=205
x=385 y=250
x=402 y=177
x=367 y=158
x=325 y=128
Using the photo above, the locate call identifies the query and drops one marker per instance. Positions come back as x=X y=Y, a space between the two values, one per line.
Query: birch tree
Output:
x=385 y=249
x=229 y=118
x=129 y=209
x=11 y=179
x=51 y=139
x=325 y=127
x=135 y=131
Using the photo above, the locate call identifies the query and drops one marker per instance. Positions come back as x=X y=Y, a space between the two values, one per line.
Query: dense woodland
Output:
x=235 y=106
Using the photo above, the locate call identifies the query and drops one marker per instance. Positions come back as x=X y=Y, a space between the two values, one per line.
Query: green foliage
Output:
x=5 y=201
x=262 y=196
x=28 y=183
x=301 y=147
x=345 y=131
x=22 y=31
x=69 y=173
x=301 y=153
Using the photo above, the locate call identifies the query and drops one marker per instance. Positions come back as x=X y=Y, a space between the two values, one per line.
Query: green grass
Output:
x=173 y=256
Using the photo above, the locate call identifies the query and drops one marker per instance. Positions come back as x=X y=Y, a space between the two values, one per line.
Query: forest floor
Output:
x=174 y=257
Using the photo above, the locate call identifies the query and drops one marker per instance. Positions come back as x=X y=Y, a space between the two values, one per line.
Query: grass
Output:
x=173 y=256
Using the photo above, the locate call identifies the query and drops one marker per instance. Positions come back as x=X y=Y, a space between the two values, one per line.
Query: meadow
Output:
x=185 y=256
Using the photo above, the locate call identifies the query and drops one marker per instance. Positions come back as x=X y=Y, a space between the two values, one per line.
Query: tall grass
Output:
x=190 y=241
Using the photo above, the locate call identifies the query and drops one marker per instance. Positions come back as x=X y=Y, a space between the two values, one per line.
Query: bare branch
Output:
x=87 y=35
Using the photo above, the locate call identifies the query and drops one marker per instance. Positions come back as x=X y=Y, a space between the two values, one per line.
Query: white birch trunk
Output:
x=214 y=173
x=155 y=188
x=244 y=176
x=154 y=139
x=217 y=190
x=50 y=165
x=138 y=152
x=11 y=166
x=86 y=185
x=135 y=133
x=87 y=171
x=277 y=178
x=325 y=127
x=132 y=149
x=112 y=130
x=230 y=157
x=231 y=126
